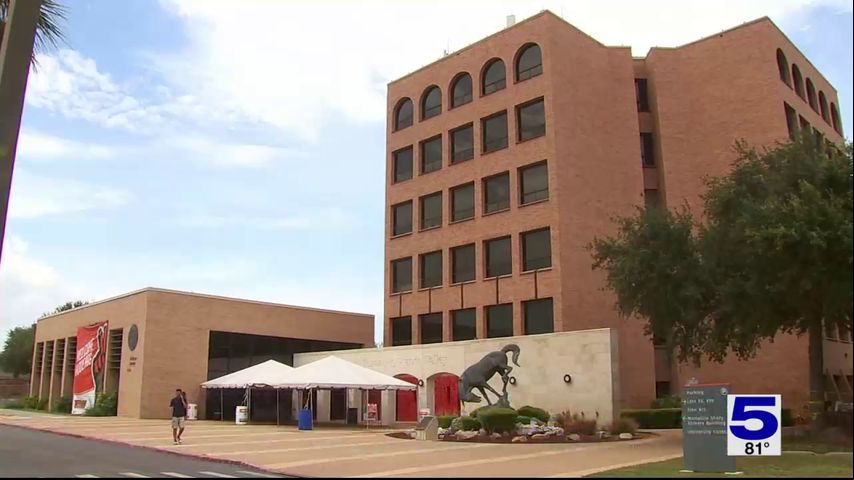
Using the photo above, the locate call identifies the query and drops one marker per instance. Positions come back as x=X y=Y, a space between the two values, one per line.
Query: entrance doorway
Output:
x=445 y=396
x=407 y=400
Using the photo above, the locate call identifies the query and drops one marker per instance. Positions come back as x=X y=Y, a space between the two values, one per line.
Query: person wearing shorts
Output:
x=179 y=415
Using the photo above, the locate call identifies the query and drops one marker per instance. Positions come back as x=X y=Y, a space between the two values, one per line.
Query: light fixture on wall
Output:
x=512 y=380
x=420 y=382
x=567 y=378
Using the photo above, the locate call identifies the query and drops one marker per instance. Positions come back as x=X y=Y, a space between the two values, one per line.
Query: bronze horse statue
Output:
x=478 y=375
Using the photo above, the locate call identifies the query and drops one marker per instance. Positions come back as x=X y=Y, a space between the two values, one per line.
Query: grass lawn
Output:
x=788 y=465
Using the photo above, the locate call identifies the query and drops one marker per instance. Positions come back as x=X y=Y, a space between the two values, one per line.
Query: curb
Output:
x=807 y=452
x=155 y=449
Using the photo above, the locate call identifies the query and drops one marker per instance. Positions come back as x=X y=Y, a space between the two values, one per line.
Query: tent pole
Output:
x=221 y=408
x=277 y=407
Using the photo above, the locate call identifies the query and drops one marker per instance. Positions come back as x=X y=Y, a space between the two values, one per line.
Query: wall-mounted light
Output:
x=567 y=378
x=420 y=383
x=512 y=380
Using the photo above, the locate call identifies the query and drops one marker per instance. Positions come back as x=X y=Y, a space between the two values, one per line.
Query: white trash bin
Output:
x=241 y=415
x=192 y=411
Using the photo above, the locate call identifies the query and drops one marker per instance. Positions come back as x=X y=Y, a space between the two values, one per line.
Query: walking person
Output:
x=179 y=415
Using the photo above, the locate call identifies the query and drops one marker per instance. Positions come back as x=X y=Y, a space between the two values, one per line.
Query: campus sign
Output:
x=704 y=428
x=89 y=366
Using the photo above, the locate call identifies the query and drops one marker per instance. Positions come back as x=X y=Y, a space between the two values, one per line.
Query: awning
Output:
x=261 y=375
x=334 y=372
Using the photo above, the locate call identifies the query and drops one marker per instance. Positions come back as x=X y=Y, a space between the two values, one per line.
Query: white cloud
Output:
x=206 y=151
x=38 y=196
x=35 y=145
x=320 y=219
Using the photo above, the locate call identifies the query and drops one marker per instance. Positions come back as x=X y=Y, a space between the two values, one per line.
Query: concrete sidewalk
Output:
x=344 y=452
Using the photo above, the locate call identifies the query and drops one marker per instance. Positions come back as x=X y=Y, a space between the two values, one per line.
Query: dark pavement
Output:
x=26 y=453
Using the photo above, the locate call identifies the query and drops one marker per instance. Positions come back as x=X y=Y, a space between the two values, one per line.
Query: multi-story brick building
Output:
x=508 y=157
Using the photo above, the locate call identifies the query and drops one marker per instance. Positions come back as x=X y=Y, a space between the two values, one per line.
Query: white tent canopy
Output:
x=334 y=372
x=262 y=375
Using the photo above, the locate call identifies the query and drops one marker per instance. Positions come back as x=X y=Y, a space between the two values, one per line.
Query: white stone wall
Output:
x=589 y=356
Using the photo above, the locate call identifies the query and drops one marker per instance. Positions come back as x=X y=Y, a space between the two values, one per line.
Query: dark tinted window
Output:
x=462 y=144
x=536 y=249
x=494 y=77
x=534 y=183
x=651 y=198
x=783 y=66
x=431 y=104
x=647 y=150
x=403 y=164
x=462 y=90
x=462 y=202
x=401 y=218
x=431 y=328
x=805 y=125
x=431 y=155
x=401 y=331
x=499 y=321
x=401 y=275
x=530 y=63
x=531 y=120
x=822 y=104
x=641 y=95
x=498 y=257
x=403 y=114
x=811 y=95
x=798 y=80
x=496 y=193
x=539 y=316
x=463 y=324
x=431 y=269
x=431 y=210
x=834 y=118
x=791 y=120
x=494 y=132
x=462 y=264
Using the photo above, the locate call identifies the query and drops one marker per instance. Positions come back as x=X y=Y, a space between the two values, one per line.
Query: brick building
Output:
x=506 y=158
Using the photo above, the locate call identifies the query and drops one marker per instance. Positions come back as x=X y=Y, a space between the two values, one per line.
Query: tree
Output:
x=17 y=355
x=773 y=254
x=49 y=32
x=65 y=307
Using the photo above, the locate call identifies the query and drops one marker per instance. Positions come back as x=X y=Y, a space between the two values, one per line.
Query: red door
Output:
x=445 y=397
x=407 y=401
x=375 y=397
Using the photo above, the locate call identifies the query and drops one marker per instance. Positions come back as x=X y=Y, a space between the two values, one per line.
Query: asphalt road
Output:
x=26 y=453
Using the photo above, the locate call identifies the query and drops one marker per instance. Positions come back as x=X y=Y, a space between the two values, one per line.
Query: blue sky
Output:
x=197 y=146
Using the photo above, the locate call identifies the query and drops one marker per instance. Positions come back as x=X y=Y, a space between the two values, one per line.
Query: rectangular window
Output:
x=496 y=193
x=401 y=218
x=462 y=264
x=651 y=198
x=431 y=154
x=463 y=324
x=401 y=275
x=431 y=328
x=536 y=249
x=431 y=211
x=499 y=321
x=539 y=316
x=494 y=132
x=401 y=331
x=805 y=125
x=533 y=183
x=531 y=120
x=647 y=150
x=431 y=269
x=641 y=94
x=498 y=257
x=662 y=389
x=462 y=202
x=791 y=120
x=462 y=144
x=402 y=164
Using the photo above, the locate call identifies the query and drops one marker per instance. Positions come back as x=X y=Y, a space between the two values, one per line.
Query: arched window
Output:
x=403 y=114
x=822 y=104
x=811 y=95
x=529 y=62
x=799 y=80
x=494 y=77
x=783 y=66
x=834 y=118
x=431 y=102
x=461 y=90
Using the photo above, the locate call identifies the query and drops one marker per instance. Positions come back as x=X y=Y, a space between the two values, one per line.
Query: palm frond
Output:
x=49 y=33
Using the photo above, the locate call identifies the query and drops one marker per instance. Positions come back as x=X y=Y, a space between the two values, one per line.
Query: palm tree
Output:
x=48 y=29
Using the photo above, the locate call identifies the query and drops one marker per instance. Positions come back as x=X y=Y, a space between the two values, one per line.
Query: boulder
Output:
x=465 y=435
x=496 y=436
x=574 y=437
x=539 y=436
x=519 y=439
x=626 y=436
x=527 y=430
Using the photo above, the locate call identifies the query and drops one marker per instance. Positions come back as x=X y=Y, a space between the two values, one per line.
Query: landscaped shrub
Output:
x=497 y=419
x=523 y=420
x=561 y=418
x=62 y=405
x=31 y=403
x=476 y=411
x=669 y=401
x=580 y=426
x=17 y=404
x=534 y=412
x=445 y=420
x=105 y=405
x=470 y=424
x=623 y=425
x=656 y=418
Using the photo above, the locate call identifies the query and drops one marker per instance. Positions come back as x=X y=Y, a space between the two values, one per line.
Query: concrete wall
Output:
x=589 y=356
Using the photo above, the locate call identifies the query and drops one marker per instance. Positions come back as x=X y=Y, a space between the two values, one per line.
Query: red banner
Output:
x=89 y=365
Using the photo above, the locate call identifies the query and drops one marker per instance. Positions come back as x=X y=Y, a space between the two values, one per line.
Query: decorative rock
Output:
x=526 y=430
x=626 y=436
x=539 y=436
x=574 y=437
x=465 y=435
x=519 y=439
x=496 y=436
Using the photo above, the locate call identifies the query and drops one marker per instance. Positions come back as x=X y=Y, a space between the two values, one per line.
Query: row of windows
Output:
x=536 y=252
x=495 y=191
x=834 y=333
x=493 y=78
x=796 y=81
x=538 y=317
x=530 y=123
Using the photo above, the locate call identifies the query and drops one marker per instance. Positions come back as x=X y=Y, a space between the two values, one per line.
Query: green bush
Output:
x=521 y=419
x=16 y=404
x=62 y=405
x=656 y=418
x=623 y=425
x=106 y=405
x=31 y=403
x=445 y=420
x=669 y=401
x=534 y=412
x=470 y=424
x=477 y=411
x=497 y=419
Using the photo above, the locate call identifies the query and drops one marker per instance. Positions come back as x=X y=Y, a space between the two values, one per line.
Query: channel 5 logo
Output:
x=753 y=425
